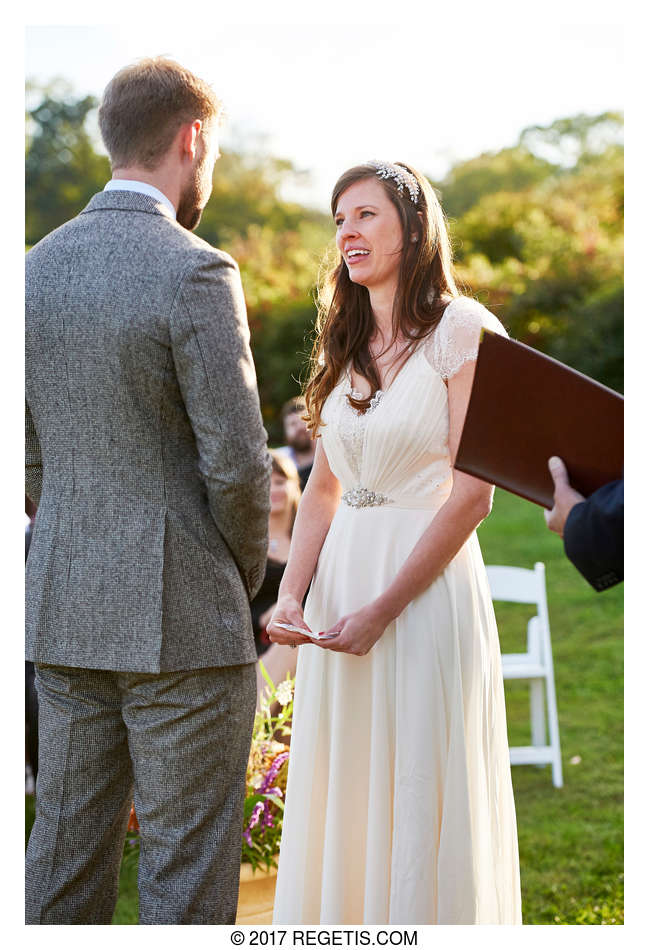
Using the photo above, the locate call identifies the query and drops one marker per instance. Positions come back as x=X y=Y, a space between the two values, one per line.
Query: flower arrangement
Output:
x=266 y=775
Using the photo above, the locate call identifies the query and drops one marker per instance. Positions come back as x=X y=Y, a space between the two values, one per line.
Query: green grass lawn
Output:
x=571 y=839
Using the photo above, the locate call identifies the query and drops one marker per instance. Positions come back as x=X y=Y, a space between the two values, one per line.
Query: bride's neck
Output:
x=382 y=302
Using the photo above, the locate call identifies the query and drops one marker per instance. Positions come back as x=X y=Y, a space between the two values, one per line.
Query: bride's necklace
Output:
x=378 y=395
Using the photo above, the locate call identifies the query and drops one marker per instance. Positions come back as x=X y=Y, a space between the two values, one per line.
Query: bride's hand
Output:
x=356 y=633
x=288 y=610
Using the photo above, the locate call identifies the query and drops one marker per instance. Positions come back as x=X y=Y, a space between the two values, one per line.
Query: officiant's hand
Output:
x=288 y=610
x=565 y=496
x=356 y=633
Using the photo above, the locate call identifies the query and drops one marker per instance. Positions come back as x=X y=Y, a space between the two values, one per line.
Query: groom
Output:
x=146 y=454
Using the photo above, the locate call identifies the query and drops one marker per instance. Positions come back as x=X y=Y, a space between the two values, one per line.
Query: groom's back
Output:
x=98 y=354
x=146 y=454
x=125 y=550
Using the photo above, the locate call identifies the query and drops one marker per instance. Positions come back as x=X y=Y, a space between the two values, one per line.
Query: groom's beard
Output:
x=194 y=197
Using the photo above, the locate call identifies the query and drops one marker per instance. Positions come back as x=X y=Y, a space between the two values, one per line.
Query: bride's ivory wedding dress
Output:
x=399 y=804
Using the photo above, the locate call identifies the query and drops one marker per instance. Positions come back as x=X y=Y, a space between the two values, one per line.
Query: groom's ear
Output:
x=189 y=134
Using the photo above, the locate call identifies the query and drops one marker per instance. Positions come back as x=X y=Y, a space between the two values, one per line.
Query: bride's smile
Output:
x=368 y=234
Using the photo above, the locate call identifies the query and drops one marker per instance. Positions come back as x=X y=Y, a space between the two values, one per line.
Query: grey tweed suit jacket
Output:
x=145 y=448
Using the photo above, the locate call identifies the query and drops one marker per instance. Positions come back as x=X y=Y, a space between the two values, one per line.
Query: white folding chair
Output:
x=522 y=586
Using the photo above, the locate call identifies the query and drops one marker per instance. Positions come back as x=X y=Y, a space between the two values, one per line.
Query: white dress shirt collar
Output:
x=125 y=184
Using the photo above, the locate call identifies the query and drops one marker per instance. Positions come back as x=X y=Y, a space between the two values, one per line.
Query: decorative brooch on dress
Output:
x=360 y=497
x=402 y=177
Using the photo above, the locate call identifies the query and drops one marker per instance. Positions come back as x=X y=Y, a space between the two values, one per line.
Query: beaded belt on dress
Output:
x=364 y=498
x=361 y=497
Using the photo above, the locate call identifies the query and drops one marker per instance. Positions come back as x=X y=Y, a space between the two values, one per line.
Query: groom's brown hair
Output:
x=145 y=104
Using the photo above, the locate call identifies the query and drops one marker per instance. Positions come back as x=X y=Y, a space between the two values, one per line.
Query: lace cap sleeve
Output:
x=457 y=336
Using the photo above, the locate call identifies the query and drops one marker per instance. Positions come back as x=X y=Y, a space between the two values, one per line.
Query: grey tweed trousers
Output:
x=178 y=744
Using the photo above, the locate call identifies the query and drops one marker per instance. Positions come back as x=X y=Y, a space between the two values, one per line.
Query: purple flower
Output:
x=256 y=815
x=262 y=813
x=278 y=762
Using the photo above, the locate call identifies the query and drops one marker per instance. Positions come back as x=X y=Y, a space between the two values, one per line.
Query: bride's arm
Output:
x=315 y=513
x=468 y=504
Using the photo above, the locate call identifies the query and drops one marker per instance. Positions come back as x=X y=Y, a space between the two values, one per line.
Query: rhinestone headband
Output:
x=402 y=177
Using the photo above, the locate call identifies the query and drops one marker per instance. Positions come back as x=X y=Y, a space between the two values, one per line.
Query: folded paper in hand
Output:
x=305 y=633
x=526 y=407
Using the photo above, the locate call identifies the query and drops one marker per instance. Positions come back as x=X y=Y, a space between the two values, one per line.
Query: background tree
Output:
x=62 y=167
x=541 y=241
x=278 y=246
x=537 y=230
x=277 y=243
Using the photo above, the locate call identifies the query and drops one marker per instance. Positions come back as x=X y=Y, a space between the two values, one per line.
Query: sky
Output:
x=329 y=95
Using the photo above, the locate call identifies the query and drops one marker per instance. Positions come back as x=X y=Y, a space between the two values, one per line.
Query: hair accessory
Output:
x=401 y=176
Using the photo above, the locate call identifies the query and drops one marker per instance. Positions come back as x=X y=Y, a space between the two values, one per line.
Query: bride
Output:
x=399 y=804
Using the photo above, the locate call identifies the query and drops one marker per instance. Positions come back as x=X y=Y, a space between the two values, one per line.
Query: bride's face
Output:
x=368 y=234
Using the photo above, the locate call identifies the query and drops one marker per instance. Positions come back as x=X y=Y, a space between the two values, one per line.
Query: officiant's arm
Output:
x=468 y=504
x=317 y=507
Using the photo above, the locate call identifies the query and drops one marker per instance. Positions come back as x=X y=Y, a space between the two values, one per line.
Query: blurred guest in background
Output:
x=285 y=496
x=592 y=528
x=300 y=447
x=30 y=511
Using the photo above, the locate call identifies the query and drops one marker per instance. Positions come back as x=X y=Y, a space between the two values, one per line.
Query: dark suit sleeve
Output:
x=211 y=349
x=33 y=460
x=593 y=536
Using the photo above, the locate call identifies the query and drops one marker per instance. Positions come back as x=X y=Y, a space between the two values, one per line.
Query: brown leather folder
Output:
x=526 y=407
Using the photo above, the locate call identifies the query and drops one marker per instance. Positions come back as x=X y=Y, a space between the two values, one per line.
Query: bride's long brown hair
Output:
x=345 y=323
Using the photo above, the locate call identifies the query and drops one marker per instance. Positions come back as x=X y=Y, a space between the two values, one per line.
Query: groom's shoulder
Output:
x=44 y=258
x=195 y=250
x=154 y=236
x=59 y=235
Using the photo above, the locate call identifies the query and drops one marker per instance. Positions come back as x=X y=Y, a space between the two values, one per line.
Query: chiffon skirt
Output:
x=399 y=806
